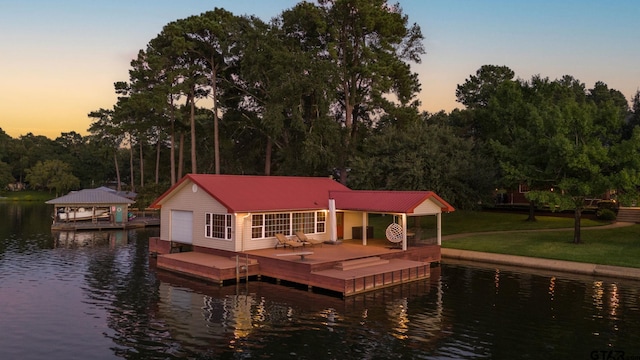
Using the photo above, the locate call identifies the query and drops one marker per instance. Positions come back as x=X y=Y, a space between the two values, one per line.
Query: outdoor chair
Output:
x=304 y=239
x=284 y=242
x=394 y=234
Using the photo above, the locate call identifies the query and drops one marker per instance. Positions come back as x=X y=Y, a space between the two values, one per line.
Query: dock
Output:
x=139 y=222
x=346 y=269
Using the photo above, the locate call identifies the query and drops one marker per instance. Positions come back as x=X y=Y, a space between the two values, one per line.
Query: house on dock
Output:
x=240 y=213
x=230 y=223
x=90 y=209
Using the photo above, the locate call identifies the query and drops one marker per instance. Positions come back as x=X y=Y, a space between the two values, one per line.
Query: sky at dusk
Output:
x=59 y=59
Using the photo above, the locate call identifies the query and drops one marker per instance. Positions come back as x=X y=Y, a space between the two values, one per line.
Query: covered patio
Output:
x=351 y=210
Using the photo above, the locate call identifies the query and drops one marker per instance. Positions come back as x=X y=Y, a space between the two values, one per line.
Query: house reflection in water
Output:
x=234 y=317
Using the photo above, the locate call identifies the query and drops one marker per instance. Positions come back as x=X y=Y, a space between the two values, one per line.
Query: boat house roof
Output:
x=128 y=194
x=246 y=193
x=90 y=197
x=386 y=201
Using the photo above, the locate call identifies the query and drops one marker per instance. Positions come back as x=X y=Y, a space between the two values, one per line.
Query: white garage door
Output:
x=182 y=226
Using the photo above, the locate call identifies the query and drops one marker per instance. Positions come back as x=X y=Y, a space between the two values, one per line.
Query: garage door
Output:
x=182 y=226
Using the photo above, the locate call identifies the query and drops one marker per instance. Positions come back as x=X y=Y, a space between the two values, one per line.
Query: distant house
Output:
x=239 y=213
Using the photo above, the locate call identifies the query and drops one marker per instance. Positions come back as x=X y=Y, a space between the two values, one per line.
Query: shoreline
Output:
x=572 y=267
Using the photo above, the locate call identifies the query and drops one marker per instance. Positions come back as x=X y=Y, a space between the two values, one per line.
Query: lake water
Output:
x=99 y=296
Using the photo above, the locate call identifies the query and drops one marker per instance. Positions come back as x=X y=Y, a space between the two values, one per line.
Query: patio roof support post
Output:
x=364 y=228
x=404 y=231
x=439 y=228
x=333 y=227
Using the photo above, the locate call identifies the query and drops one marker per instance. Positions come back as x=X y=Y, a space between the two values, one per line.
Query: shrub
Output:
x=606 y=214
x=607 y=204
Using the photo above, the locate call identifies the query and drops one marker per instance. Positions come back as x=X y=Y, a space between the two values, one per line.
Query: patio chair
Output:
x=284 y=242
x=304 y=239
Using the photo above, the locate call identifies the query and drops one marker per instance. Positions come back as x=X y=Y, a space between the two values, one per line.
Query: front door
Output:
x=119 y=213
x=340 y=225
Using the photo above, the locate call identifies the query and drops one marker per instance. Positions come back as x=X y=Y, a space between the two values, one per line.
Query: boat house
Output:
x=90 y=209
x=229 y=215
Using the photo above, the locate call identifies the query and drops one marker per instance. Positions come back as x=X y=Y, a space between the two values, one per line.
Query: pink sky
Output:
x=60 y=59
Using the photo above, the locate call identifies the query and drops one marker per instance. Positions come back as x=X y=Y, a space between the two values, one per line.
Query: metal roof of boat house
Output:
x=386 y=201
x=249 y=193
x=90 y=197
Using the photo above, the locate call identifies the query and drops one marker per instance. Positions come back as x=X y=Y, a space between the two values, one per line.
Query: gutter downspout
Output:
x=242 y=239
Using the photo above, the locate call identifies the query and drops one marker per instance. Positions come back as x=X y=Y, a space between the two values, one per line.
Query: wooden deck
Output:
x=347 y=269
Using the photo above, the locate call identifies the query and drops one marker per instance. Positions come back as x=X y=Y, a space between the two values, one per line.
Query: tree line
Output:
x=327 y=89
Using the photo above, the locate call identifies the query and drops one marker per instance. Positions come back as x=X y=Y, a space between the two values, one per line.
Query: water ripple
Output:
x=103 y=300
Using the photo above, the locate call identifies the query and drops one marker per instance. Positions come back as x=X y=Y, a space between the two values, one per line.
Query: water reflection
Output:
x=100 y=296
x=76 y=239
x=269 y=319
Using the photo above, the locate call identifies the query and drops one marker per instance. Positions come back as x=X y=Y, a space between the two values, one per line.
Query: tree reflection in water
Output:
x=104 y=297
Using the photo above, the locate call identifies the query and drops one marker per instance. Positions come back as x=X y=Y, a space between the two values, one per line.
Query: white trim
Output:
x=288 y=227
x=332 y=220
x=364 y=227
x=439 y=228
x=228 y=226
x=404 y=232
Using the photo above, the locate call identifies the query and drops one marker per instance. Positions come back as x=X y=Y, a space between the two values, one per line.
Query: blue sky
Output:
x=59 y=59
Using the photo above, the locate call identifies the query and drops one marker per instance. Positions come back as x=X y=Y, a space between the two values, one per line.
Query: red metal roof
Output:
x=246 y=193
x=386 y=201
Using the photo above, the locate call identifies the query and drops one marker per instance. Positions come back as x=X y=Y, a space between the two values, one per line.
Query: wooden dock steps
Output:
x=360 y=263
x=628 y=214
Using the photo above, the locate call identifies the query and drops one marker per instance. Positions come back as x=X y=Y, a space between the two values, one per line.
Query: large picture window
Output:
x=270 y=224
x=304 y=222
x=217 y=226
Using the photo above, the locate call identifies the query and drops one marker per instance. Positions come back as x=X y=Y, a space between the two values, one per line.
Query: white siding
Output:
x=198 y=202
x=427 y=207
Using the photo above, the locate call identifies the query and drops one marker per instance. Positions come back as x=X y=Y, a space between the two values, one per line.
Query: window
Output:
x=304 y=222
x=257 y=226
x=217 y=226
x=268 y=225
x=277 y=223
x=321 y=222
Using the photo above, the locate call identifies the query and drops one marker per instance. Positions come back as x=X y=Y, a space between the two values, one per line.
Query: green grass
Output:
x=25 y=196
x=476 y=230
x=615 y=246
x=462 y=222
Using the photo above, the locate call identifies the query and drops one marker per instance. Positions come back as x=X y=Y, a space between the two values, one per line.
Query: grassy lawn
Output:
x=26 y=195
x=462 y=222
x=616 y=246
